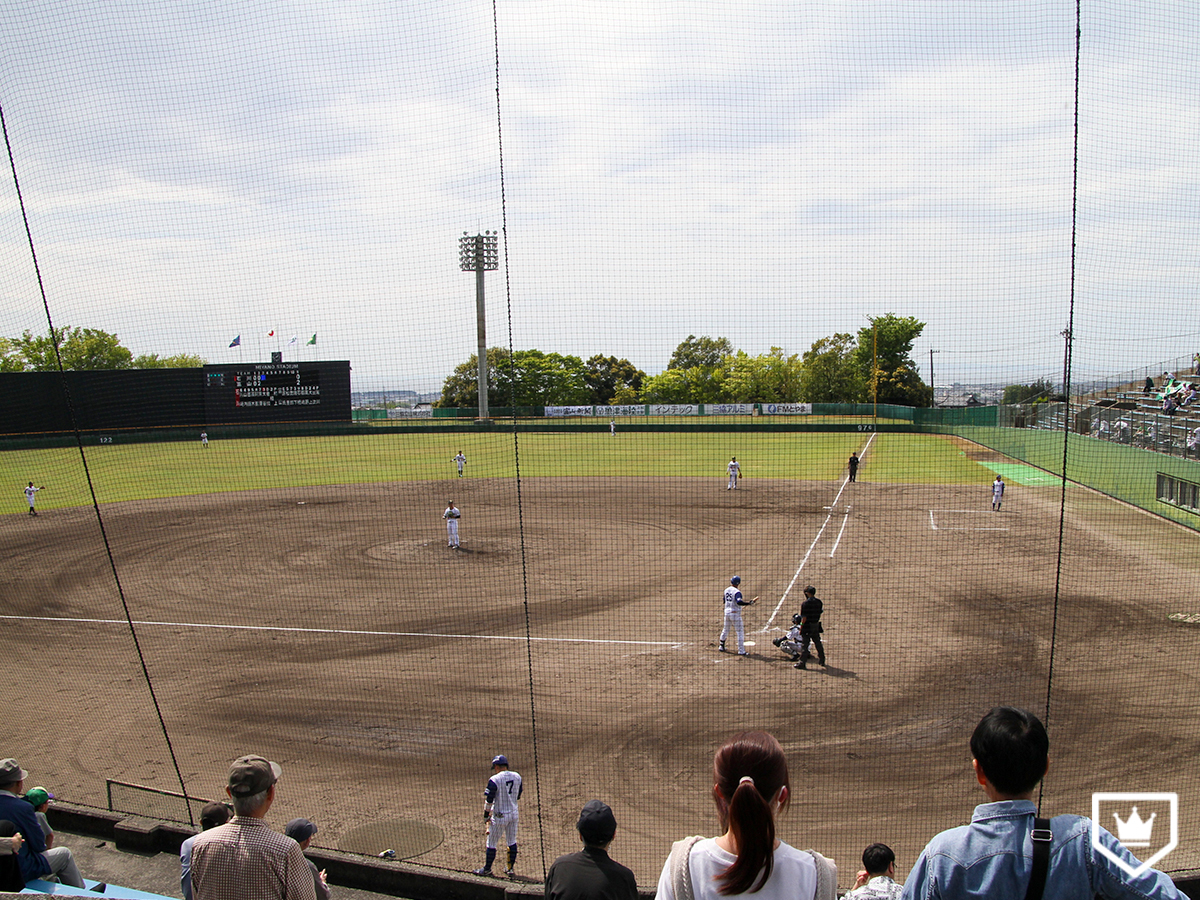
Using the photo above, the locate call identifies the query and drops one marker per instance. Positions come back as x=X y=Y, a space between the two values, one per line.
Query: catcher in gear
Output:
x=790 y=642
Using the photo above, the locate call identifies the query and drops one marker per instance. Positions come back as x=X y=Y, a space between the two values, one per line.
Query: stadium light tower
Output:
x=480 y=253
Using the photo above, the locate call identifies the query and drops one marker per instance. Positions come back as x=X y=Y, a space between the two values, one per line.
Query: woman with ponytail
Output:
x=750 y=787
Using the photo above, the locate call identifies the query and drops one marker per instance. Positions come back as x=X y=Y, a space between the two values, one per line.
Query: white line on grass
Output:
x=803 y=562
x=344 y=631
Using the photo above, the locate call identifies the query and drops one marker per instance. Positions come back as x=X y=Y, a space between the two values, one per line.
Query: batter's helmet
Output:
x=735 y=580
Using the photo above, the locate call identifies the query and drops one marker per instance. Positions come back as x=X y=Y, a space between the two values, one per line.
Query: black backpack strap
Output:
x=1042 y=837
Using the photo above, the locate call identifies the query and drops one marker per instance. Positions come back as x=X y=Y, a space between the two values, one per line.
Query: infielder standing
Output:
x=461 y=461
x=733 y=615
x=500 y=812
x=997 y=493
x=734 y=471
x=452 y=515
x=31 y=496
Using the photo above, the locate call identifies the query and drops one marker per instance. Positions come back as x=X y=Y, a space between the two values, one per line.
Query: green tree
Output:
x=883 y=357
x=770 y=378
x=607 y=377
x=702 y=352
x=11 y=359
x=526 y=378
x=178 y=361
x=831 y=373
x=1040 y=391
x=79 y=348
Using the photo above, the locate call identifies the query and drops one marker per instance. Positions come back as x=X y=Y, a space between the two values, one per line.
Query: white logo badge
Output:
x=1134 y=829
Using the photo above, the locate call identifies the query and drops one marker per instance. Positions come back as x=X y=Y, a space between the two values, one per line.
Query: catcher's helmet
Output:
x=797 y=618
x=735 y=580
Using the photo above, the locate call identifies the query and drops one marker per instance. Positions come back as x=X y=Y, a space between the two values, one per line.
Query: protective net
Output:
x=686 y=235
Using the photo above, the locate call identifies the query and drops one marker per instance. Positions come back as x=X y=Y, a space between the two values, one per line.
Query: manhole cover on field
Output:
x=407 y=837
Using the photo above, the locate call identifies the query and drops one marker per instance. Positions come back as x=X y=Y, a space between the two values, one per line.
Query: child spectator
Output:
x=877 y=879
x=39 y=798
x=301 y=831
x=212 y=816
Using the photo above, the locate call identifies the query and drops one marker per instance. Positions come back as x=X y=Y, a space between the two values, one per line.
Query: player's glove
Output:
x=777 y=641
x=487 y=816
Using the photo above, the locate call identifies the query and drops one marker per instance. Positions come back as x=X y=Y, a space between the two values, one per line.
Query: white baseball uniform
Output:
x=31 y=496
x=462 y=461
x=501 y=796
x=734 y=471
x=204 y=439
x=997 y=492
x=452 y=515
x=733 y=616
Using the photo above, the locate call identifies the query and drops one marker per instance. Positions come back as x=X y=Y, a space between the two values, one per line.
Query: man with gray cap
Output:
x=590 y=874
x=301 y=831
x=245 y=858
x=35 y=860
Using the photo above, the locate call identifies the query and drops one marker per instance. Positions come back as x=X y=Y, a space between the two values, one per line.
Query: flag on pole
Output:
x=236 y=342
x=312 y=340
x=293 y=340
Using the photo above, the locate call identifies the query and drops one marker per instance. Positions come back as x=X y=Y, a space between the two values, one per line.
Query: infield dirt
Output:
x=332 y=630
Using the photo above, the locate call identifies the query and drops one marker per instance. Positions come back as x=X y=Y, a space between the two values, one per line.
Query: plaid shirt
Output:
x=245 y=858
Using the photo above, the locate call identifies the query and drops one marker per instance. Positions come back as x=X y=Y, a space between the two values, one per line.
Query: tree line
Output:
x=875 y=364
x=82 y=349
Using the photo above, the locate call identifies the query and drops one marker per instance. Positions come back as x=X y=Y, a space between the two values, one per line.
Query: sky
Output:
x=769 y=172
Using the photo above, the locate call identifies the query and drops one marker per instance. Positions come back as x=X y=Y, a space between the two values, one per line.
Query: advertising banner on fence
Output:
x=787 y=409
x=568 y=410
x=673 y=409
x=614 y=411
x=403 y=413
x=729 y=409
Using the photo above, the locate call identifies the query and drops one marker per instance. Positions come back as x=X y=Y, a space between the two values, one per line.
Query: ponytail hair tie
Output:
x=746 y=778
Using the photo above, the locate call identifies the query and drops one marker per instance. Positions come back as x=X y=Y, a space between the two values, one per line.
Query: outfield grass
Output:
x=142 y=471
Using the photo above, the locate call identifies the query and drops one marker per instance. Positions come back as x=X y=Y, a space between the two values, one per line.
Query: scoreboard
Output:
x=277 y=392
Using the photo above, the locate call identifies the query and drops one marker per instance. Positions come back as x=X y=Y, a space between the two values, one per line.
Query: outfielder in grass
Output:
x=733 y=615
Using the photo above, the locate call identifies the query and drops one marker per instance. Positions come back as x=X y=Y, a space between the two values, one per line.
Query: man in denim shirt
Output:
x=993 y=856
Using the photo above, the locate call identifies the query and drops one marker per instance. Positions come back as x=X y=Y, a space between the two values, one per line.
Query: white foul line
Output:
x=419 y=634
x=841 y=531
x=804 y=561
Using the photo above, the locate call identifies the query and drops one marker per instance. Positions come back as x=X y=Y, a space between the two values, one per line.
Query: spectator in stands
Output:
x=591 y=874
x=245 y=858
x=1193 y=443
x=1169 y=405
x=751 y=788
x=1149 y=388
x=213 y=815
x=876 y=881
x=11 y=879
x=39 y=798
x=988 y=858
x=1124 y=433
x=36 y=861
x=1189 y=395
x=301 y=831
x=1103 y=430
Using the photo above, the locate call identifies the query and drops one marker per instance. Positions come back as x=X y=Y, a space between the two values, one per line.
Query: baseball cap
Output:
x=37 y=796
x=500 y=760
x=213 y=814
x=249 y=775
x=299 y=829
x=596 y=824
x=810 y=590
x=11 y=772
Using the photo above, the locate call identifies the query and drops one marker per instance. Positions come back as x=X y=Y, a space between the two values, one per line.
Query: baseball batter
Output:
x=31 y=496
x=461 y=461
x=733 y=615
x=452 y=515
x=734 y=471
x=997 y=493
x=500 y=812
